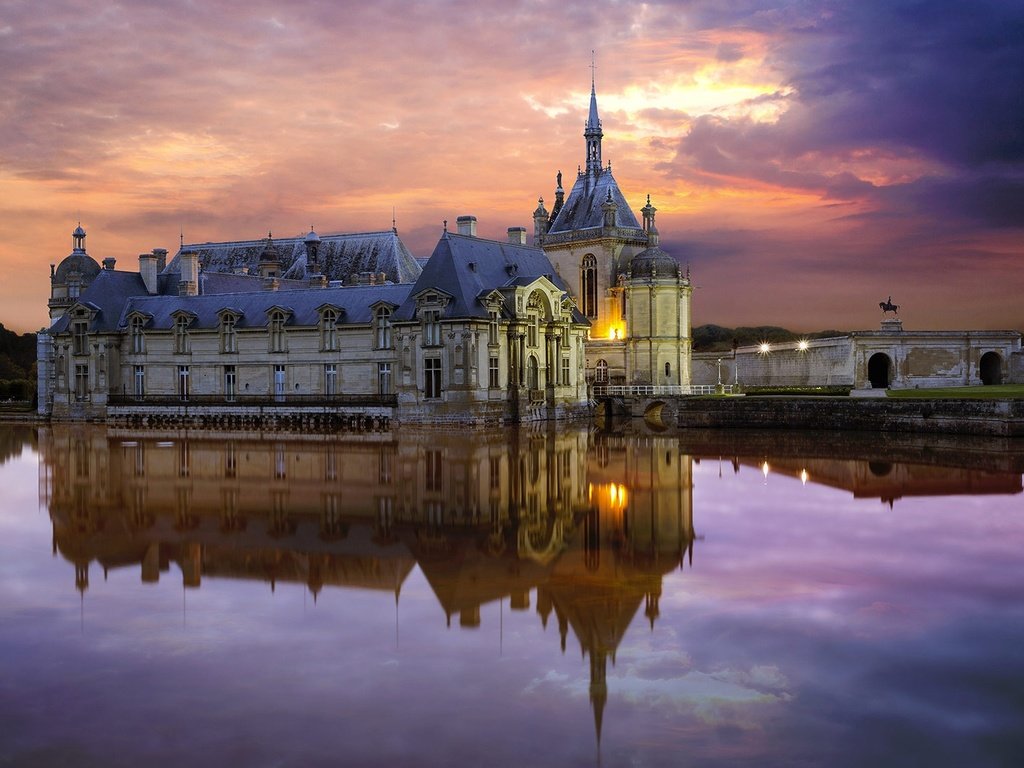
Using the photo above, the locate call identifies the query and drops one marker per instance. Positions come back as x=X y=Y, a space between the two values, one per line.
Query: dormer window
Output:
x=329 y=330
x=277 y=320
x=431 y=328
x=181 y=335
x=80 y=337
x=492 y=327
x=136 y=335
x=228 y=336
x=382 y=319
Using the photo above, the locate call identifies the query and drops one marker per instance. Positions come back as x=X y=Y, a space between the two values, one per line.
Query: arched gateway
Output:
x=879 y=370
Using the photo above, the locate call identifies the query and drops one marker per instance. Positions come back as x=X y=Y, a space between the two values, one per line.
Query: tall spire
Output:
x=593 y=132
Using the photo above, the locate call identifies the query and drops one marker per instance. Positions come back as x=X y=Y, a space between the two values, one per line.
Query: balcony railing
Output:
x=283 y=401
x=645 y=390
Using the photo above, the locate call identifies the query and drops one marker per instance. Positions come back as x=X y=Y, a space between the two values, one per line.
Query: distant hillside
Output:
x=17 y=355
x=717 y=338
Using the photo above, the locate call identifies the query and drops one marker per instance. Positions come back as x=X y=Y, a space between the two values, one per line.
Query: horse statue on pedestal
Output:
x=888 y=306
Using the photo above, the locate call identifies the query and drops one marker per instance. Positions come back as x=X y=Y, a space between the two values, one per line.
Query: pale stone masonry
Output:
x=486 y=333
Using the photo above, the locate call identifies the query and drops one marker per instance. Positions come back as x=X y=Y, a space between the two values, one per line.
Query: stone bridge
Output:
x=657 y=405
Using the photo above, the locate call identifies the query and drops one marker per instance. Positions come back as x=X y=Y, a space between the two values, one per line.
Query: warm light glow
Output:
x=764 y=348
x=615 y=496
x=764 y=469
x=617 y=331
x=804 y=476
x=803 y=345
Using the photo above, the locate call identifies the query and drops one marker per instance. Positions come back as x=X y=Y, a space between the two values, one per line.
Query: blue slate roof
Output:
x=341 y=256
x=302 y=306
x=468 y=268
x=582 y=208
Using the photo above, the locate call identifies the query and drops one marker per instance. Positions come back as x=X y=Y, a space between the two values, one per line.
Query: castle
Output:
x=351 y=329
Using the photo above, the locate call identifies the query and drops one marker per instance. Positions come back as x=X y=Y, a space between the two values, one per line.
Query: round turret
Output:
x=654 y=261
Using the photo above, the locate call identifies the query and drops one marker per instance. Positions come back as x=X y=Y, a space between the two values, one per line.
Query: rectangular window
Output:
x=531 y=331
x=138 y=340
x=434 y=471
x=492 y=372
x=383 y=317
x=329 y=331
x=183 y=382
x=431 y=328
x=279 y=383
x=565 y=371
x=432 y=377
x=181 y=346
x=140 y=382
x=384 y=378
x=330 y=379
x=277 y=331
x=228 y=339
x=230 y=383
x=80 y=338
x=492 y=327
x=82 y=381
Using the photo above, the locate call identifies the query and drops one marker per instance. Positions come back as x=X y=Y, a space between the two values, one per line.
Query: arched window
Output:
x=383 y=321
x=277 y=331
x=602 y=372
x=532 y=373
x=329 y=330
x=588 y=285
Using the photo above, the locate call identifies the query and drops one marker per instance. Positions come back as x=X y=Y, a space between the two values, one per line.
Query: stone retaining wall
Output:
x=970 y=417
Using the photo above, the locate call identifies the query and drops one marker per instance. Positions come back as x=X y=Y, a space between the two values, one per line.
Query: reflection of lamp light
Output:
x=764 y=471
x=804 y=476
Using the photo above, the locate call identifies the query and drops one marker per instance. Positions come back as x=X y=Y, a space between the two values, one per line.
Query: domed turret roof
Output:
x=312 y=237
x=78 y=261
x=654 y=260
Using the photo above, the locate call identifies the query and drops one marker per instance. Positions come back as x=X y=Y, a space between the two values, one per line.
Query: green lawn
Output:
x=995 y=392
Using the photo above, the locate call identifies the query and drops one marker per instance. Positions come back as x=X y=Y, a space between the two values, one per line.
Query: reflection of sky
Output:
x=813 y=628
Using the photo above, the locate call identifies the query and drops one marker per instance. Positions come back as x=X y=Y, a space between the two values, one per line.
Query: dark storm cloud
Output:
x=936 y=81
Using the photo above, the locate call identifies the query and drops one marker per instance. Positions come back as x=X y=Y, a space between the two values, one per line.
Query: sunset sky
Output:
x=807 y=159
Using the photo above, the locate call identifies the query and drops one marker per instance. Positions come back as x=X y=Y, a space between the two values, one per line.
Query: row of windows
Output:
x=230 y=380
x=228 y=333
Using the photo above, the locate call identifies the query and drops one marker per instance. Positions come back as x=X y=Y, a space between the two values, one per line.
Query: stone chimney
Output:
x=318 y=281
x=148 y=271
x=188 y=283
x=517 y=235
x=271 y=283
x=540 y=222
x=467 y=225
x=161 y=259
x=108 y=263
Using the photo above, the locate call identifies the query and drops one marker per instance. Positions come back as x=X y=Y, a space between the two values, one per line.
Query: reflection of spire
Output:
x=598 y=692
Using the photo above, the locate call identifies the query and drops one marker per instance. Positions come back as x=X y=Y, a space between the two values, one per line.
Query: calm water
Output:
x=525 y=598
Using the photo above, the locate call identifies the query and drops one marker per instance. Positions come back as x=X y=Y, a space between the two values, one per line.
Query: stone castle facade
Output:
x=317 y=330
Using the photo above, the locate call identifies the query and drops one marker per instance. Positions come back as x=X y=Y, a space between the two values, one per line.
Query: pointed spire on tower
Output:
x=592 y=133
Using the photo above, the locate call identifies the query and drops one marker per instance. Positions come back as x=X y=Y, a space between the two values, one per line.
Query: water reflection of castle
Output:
x=590 y=523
